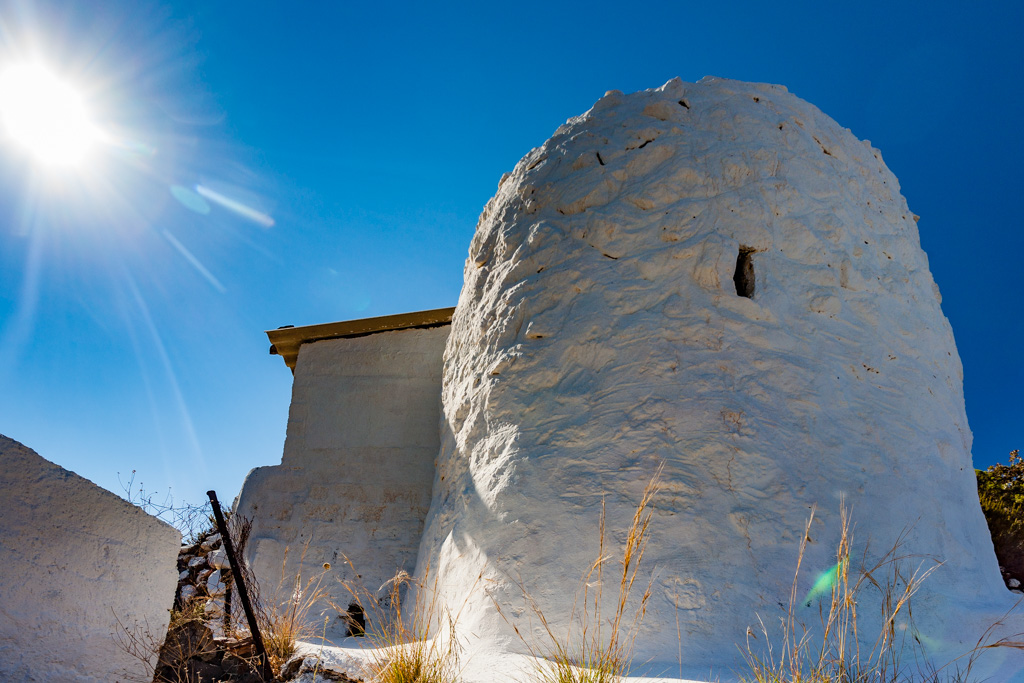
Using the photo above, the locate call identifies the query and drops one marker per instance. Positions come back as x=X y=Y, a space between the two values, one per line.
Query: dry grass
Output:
x=834 y=653
x=165 y=657
x=285 y=618
x=411 y=654
x=596 y=648
x=415 y=647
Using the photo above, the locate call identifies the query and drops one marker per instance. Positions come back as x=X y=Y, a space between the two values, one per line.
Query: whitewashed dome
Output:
x=717 y=277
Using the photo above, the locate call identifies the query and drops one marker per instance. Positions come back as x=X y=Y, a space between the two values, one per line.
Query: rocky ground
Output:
x=204 y=645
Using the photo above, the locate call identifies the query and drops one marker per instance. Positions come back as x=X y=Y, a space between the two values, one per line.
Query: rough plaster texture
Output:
x=599 y=333
x=76 y=559
x=355 y=478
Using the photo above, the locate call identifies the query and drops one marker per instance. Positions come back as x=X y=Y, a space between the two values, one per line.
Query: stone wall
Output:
x=354 y=484
x=76 y=561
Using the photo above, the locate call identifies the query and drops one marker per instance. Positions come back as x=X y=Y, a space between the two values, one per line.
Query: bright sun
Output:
x=45 y=115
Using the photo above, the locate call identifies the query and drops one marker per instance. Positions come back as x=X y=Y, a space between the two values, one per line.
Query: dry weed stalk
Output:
x=189 y=519
x=835 y=655
x=165 y=656
x=596 y=649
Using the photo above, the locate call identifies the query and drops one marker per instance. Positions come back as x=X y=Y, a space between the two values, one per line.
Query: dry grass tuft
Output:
x=284 y=619
x=416 y=647
x=595 y=648
x=834 y=654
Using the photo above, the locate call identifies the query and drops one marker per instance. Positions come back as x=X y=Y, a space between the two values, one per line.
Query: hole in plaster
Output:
x=744 y=275
x=683 y=103
x=599 y=159
x=355 y=618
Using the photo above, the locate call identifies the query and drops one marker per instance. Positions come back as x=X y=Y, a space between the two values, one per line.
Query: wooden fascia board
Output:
x=285 y=341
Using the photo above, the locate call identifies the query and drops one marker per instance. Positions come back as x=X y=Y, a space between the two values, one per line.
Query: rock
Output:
x=218 y=559
x=184 y=576
x=238 y=647
x=214 y=585
x=204 y=672
x=291 y=668
x=251 y=677
x=188 y=591
x=1013 y=583
x=235 y=666
x=191 y=640
x=197 y=562
x=305 y=669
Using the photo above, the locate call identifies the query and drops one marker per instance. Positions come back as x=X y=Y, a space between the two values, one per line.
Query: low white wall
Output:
x=75 y=560
x=357 y=473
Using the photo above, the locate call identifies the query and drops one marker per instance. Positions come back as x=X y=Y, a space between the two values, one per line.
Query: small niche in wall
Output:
x=744 y=275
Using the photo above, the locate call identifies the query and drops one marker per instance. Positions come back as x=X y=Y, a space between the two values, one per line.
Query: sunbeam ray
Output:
x=198 y=461
x=194 y=262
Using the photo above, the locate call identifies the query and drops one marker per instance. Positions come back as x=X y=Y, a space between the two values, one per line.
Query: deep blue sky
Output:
x=131 y=326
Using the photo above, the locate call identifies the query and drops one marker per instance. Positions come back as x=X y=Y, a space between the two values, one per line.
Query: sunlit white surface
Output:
x=356 y=656
x=45 y=115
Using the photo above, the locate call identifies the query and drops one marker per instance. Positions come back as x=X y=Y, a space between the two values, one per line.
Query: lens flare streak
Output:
x=241 y=209
x=194 y=262
x=825 y=582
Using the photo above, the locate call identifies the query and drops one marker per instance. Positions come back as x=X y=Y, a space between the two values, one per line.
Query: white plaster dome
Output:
x=717 y=277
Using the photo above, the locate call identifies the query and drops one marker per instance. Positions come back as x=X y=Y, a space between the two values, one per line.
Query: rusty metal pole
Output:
x=243 y=594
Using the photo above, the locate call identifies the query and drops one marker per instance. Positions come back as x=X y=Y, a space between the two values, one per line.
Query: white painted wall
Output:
x=599 y=333
x=358 y=466
x=75 y=559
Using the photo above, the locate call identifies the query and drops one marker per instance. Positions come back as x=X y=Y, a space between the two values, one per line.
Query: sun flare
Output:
x=45 y=115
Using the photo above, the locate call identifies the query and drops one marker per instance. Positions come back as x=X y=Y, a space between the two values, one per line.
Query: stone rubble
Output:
x=199 y=649
x=203 y=568
x=203 y=650
x=304 y=669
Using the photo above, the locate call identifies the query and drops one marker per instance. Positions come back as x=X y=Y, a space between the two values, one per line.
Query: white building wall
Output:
x=601 y=333
x=75 y=560
x=354 y=484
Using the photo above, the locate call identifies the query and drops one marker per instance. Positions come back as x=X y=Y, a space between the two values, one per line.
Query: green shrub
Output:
x=1001 y=491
